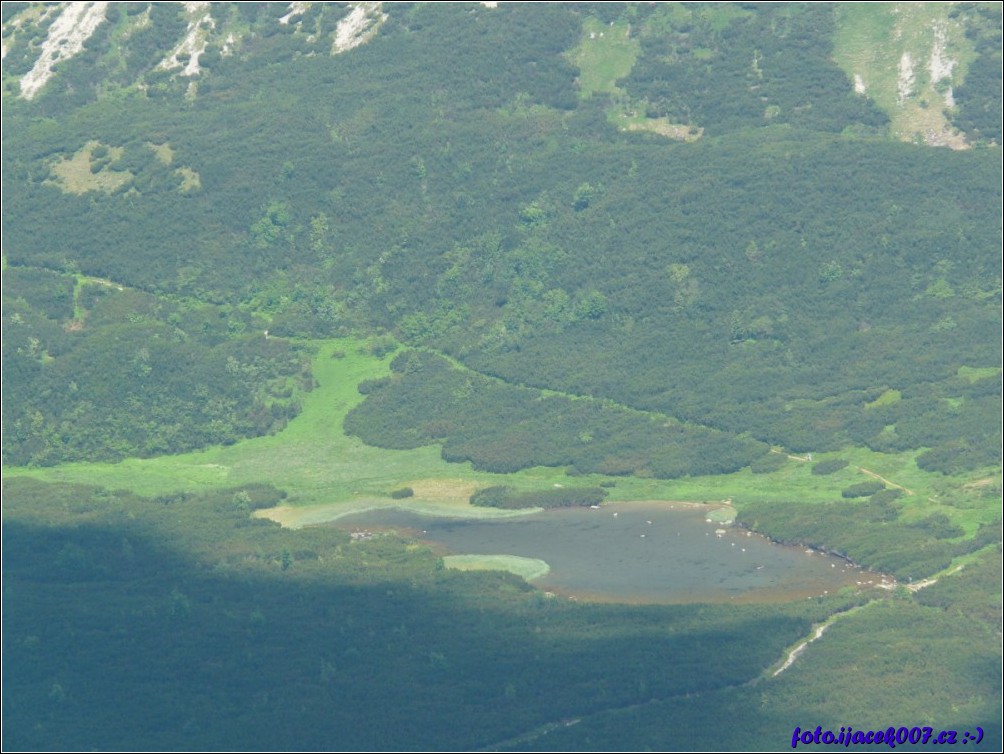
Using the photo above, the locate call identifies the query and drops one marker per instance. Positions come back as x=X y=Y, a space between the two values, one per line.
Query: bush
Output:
x=263 y=495
x=382 y=346
x=492 y=497
x=939 y=526
x=864 y=489
x=770 y=462
x=905 y=550
x=507 y=497
x=884 y=497
x=829 y=467
x=502 y=428
x=368 y=386
x=402 y=493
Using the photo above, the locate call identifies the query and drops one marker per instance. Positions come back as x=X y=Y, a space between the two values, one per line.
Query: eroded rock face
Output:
x=358 y=27
x=58 y=33
x=66 y=37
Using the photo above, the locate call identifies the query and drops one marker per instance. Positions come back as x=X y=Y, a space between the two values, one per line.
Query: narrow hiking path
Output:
x=791 y=657
x=869 y=472
x=884 y=480
x=818 y=630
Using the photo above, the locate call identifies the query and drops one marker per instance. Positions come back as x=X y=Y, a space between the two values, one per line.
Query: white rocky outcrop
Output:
x=358 y=27
x=66 y=37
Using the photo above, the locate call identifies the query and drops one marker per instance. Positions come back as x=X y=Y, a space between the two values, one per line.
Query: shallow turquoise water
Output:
x=635 y=552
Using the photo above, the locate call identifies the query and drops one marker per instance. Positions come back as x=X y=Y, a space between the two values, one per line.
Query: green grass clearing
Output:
x=74 y=174
x=163 y=152
x=889 y=396
x=605 y=54
x=975 y=374
x=720 y=15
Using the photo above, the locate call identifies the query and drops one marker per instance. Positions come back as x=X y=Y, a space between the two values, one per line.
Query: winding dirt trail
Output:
x=883 y=479
x=818 y=631
x=792 y=655
x=863 y=470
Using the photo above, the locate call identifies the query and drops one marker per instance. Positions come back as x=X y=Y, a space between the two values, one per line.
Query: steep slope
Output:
x=144 y=45
x=774 y=280
x=909 y=58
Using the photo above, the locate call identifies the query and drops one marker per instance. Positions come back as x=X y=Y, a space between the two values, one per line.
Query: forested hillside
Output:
x=721 y=282
x=680 y=247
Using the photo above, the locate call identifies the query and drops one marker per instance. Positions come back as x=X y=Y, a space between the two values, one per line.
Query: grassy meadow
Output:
x=605 y=54
x=328 y=474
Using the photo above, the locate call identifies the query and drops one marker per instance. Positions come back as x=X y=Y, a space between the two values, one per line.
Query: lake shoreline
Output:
x=630 y=552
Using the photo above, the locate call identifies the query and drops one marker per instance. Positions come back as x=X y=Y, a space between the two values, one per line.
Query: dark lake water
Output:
x=635 y=552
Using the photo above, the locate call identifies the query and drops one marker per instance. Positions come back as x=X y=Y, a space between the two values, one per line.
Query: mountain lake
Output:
x=637 y=552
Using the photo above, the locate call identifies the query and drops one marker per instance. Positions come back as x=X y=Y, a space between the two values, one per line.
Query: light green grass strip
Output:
x=527 y=568
x=604 y=55
x=975 y=374
x=298 y=516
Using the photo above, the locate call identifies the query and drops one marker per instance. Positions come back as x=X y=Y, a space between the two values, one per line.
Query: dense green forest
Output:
x=674 y=251
x=503 y=428
x=721 y=282
x=141 y=374
x=507 y=497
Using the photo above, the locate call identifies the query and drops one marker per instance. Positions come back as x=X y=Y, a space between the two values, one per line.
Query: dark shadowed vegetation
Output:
x=507 y=497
